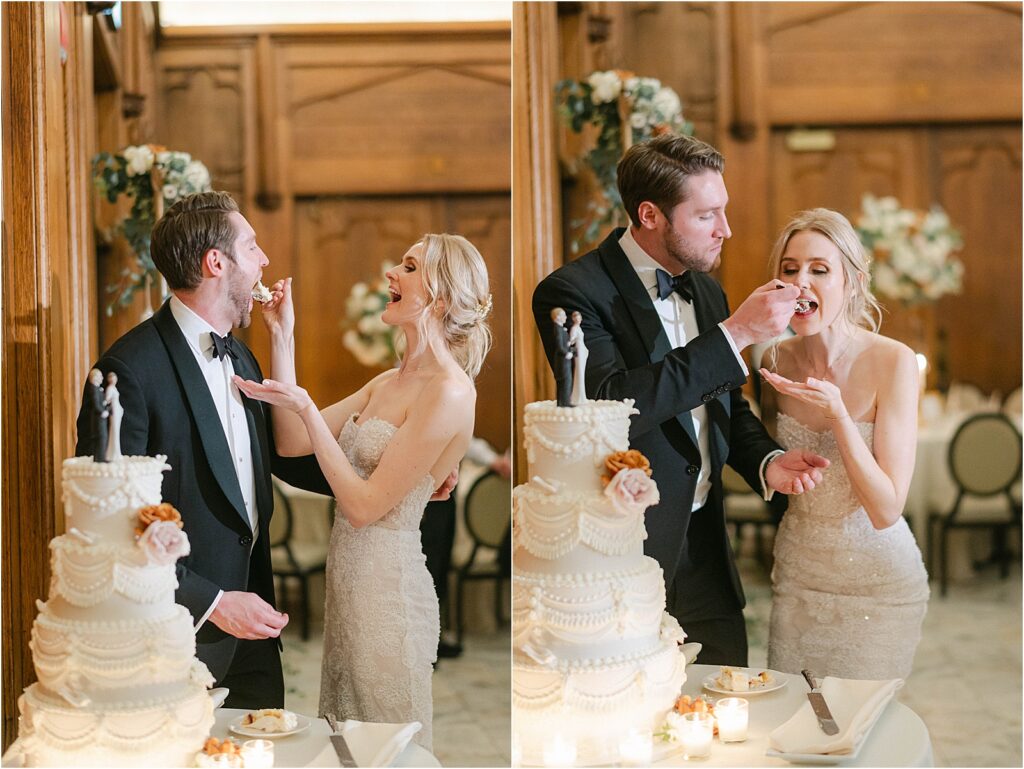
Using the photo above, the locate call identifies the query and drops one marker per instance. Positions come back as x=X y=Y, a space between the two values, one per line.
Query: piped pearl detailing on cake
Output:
x=550 y=525
x=594 y=429
x=87 y=575
x=105 y=488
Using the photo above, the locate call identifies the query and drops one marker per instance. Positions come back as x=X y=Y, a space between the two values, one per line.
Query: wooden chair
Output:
x=488 y=517
x=985 y=462
x=744 y=507
x=296 y=560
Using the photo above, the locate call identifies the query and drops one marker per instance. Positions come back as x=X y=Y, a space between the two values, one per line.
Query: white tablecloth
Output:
x=899 y=738
x=312 y=746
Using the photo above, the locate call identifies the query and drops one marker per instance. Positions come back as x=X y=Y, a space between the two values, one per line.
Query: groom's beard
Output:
x=686 y=255
x=238 y=297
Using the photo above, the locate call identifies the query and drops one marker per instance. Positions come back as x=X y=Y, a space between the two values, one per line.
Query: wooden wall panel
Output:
x=893 y=62
x=46 y=281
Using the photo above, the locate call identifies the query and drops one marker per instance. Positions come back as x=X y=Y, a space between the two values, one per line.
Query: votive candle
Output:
x=559 y=751
x=257 y=754
x=732 y=714
x=695 y=734
x=636 y=747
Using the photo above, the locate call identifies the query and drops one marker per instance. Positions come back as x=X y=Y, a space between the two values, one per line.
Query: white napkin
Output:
x=377 y=744
x=855 y=706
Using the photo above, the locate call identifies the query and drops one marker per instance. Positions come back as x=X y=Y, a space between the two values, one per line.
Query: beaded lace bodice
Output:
x=381 y=618
x=364 y=445
x=848 y=599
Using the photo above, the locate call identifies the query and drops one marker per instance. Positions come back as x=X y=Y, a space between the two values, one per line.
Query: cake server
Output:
x=820 y=707
x=341 y=748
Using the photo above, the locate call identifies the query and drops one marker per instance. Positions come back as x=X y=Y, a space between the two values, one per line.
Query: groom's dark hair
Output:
x=656 y=170
x=189 y=229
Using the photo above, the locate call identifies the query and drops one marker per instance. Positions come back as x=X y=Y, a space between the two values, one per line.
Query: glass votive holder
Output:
x=223 y=761
x=636 y=747
x=559 y=751
x=257 y=754
x=733 y=715
x=696 y=730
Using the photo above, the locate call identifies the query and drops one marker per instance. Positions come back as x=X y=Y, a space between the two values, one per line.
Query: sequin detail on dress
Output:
x=381 y=620
x=848 y=600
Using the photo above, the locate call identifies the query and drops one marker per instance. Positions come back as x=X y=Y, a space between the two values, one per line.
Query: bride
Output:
x=850 y=590
x=384 y=450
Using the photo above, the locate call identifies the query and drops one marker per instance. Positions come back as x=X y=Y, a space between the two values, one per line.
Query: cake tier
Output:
x=95 y=660
x=103 y=498
x=550 y=524
x=113 y=581
x=592 y=705
x=163 y=731
x=570 y=617
x=569 y=445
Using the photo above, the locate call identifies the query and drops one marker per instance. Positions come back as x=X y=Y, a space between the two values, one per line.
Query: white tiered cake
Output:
x=119 y=683
x=594 y=653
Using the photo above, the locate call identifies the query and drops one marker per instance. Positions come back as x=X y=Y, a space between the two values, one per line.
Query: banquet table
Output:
x=899 y=737
x=312 y=747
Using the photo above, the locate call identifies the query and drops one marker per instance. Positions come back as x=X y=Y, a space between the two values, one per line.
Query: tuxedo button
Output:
x=705 y=397
x=245 y=541
x=692 y=470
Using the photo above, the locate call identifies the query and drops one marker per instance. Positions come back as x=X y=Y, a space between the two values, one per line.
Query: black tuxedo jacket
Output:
x=168 y=410
x=631 y=357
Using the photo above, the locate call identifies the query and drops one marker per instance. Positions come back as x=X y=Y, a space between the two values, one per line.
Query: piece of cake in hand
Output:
x=261 y=293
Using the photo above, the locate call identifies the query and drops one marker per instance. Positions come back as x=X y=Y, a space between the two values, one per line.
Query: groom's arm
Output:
x=686 y=378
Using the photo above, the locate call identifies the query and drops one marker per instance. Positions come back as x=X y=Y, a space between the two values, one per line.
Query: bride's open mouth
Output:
x=394 y=296
x=805 y=307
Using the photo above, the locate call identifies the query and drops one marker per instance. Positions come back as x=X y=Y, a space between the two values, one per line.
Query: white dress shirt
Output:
x=228 y=400
x=679 y=319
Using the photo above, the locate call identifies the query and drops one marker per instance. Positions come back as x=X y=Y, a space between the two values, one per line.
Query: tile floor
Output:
x=472 y=711
x=966 y=683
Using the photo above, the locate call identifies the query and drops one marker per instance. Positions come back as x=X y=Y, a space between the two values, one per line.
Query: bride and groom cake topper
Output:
x=104 y=407
x=569 y=362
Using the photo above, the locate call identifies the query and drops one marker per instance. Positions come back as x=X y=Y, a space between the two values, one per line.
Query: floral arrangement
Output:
x=371 y=340
x=670 y=729
x=153 y=178
x=160 y=535
x=627 y=482
x=623 y=109
x=913 y=261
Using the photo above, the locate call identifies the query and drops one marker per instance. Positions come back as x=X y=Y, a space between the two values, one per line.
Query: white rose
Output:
x=163 y=158
x=197 y=175
x=630 y=491
x=139 y=159
x=605 y=86
x=674 y=725
x=170 y=192
x=638 y=120
x=667 y=103
x=164 y=543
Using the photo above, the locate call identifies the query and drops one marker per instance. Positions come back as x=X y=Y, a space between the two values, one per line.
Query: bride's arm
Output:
x=880 y=479
x=435 y=432
x=291 y=438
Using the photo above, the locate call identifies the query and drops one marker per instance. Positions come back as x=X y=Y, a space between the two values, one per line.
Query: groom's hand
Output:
x=763 y=315
x=247 y=616
x=795 y=472
x=444 y=491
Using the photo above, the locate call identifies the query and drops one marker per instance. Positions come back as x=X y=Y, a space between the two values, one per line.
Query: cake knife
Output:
x=820 y=707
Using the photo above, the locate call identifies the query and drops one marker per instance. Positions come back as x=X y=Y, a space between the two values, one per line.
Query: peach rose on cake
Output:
x=163 y=542
x=620 y=460
x=631 y=491
x=162 y=512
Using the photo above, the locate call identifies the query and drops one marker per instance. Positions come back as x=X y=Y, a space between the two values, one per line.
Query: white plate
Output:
x=709 y=683
x=245 y=731
x=817 y=759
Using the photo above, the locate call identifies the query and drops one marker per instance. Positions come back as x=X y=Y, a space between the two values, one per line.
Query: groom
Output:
x=659 y=331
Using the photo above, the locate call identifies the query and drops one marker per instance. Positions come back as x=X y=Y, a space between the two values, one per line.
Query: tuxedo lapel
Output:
x=641 y=308
x=258 y=442
x=705 y=297
x=204 y=412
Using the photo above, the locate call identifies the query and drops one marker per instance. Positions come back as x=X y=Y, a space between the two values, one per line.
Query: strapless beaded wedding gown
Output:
x=848 y=599
x=381 y=621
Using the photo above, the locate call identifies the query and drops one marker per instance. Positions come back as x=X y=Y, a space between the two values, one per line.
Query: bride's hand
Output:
x=280 y=394
x=279 y=312
x=816 y=392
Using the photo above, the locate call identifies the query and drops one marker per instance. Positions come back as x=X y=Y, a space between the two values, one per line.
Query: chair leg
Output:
x=304 y=597
x=943 y=564
x=460 y=609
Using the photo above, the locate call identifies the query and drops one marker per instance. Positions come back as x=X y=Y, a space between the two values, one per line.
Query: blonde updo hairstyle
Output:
x=455 y=278
x=862 y=309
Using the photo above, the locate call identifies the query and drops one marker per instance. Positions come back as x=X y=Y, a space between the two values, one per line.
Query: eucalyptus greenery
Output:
x=136 y=171
x=602 y=101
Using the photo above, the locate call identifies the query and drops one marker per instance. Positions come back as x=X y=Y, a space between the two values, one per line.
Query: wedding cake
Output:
x=119 y=683
x=594 y=653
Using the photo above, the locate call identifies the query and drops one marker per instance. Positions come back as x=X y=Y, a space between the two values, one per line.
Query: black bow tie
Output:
x=224 y=345
x=680 y=284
